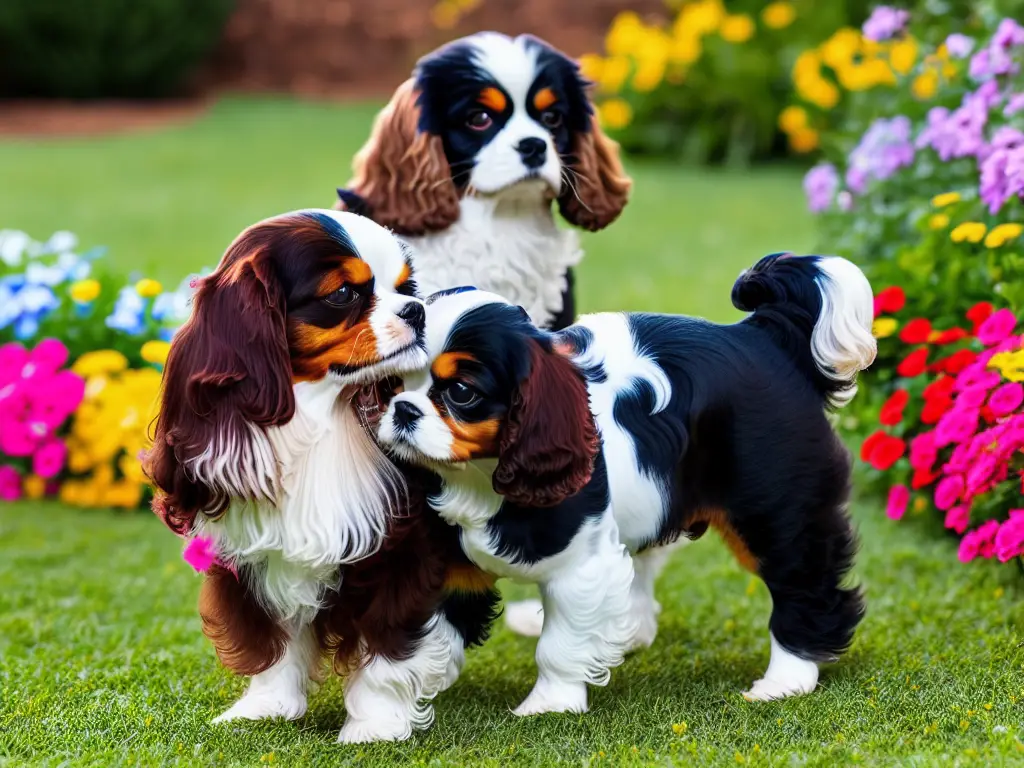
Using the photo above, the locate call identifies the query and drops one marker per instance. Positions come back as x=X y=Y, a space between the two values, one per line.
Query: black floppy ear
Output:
x=352 y=202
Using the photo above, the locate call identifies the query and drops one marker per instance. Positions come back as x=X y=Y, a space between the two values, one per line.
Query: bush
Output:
x=104 y=48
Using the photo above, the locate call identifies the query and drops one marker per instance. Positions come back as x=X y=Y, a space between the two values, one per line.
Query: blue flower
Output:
x=26 y=327
x=129 y=312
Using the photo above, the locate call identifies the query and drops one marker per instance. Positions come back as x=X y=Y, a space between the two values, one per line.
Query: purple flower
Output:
x=959 y=46
x=883 y=149
x=1014 y=104
x=1002 y=172
x=885 y=22
x=960 y=133
x=1009 y=34
x=997 y=57
x=820 y=185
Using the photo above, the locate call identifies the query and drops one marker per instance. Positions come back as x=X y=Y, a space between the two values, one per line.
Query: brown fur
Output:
x=471 y=440
x=599 y=187
x=549 y=440
x=403 y=174
x=719 y=520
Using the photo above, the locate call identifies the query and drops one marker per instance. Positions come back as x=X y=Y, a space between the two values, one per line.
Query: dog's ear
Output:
x=352 y=202
x=598 y=187
x=228 y=377
x=549 y=440
x=402 y=174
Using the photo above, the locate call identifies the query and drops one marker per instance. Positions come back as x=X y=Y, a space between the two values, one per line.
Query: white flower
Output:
x=62 y=241
x=13 y=245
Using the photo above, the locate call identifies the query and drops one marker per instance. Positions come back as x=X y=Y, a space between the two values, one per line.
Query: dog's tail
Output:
x=817 y=308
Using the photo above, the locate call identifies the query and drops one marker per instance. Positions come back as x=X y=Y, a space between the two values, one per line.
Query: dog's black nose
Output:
x=413 y=314
x=406 y=414
x=533 y=151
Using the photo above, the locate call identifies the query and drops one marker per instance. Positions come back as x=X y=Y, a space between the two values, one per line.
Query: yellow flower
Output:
x=866 y=74
x=970 y=231
x=700 y=18
x=614 y=74
x=792 y=119
x=85 y=291
x=946 y=198
x=679 y=728
x=147 y=288
x=938 y=221
x=34 y=487
x=804 y=140
x=903 y=54
x=69 y=492
x=920 y=504
x=1009 y=364
x=444 y=15
x=155 y=352
x=925 y=85
x=649 y=74
x=123 y=493
x=615 y=113
x=1001 y=233
x=884 y=327
x=737 y=28
x=685 y=49
x=591 y=66
x=839 y=50
x=778 y=15
x=99 y=362
x=807 y=65
x=624 y=34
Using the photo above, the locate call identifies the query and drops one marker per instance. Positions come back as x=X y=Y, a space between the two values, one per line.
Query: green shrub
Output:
x=104 y=48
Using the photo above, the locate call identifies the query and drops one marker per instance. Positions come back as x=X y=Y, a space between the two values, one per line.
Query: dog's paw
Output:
x=262 y=706
x=367 y=731
x=768 y=689
x=553 y=697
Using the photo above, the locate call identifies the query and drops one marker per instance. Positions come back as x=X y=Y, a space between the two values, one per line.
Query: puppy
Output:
x=467 y=158
x=323 y=546
x=560 y=452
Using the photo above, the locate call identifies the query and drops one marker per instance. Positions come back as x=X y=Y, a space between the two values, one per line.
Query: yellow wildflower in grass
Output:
x=85 y=291
x=701 y=18
x=649 y=74
x=34 y=487
x=778 y=15
x=810 y=85
x=1001 y=233
x=920 y=504
x=625 y=34
x=98 y=362
x=155 y=352
x=147 y=288
x=903 y=55
x=614 y=73
x=792 y=119
x=840 y=49
x=445 y=15
x=805 y=140
x=946 y=198
x=925 y=85
x=615 y=113
x=884 y=327
x=969 y=231
x=737 y=28
x=591 y=66
x=865 y=75
x=938 y=221
x=685 y=49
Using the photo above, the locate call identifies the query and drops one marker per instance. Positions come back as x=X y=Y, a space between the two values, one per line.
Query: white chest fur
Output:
x=507 y=246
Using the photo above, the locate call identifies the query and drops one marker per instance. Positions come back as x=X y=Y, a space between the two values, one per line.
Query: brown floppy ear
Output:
x=549 y=440
x=599 y=187
x=402 y=174
x=227 y=377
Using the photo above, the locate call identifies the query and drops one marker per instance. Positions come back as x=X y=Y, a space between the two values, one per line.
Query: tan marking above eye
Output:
x=494 y=99
x=447 y=364
x=403 y=276
x=544 y=98
x=352 y=270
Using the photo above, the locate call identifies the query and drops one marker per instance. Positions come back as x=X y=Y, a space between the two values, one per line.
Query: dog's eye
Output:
x=479 y=120
x=341 y=297
x=461 y=395
x=551 y=119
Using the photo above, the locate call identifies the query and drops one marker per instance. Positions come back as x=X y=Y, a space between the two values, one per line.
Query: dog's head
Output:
x=311 y=296
x=496 y=388
x=494 y=116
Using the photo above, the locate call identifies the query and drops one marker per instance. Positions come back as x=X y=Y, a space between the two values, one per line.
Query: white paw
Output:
x=525 y=617
x=260 y=706
x=553 y=697
x=647 y=628
x=366 y=731
x=767 y=689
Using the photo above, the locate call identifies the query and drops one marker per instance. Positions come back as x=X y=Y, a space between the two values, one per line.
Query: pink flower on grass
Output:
x=997 y=328
x=18 y=437
x=981 y=474
x=48 y=460
x=956 y=426
x=969 y=546
x=10 y=484
x=923 y=451
x=1009 y=541
x=974 y=397
x=48 y=356
x=958 y=518
x=987 y=538
x=976 y=376
x=899 y=498
x=1007 y=399
x=200 y=553
x=948 y=491
x=13 y=358
x=56 y=398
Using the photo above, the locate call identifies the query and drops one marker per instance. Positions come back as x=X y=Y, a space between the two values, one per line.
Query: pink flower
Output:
x=899 y=498
x=958 y=518
x=969 y=546
x=973 y=397
x=17 y=438
x=979 y=476
x=1007 y=399
x=956 y=426
x=48 y=356
x=948 y=491
x=56 y=398
x=923 y=451
x=13 y=358
x=48 y=460
x=1010 y=537
x=987 y=538
x=976 y=376
x=10 y=484
x=997 y=328
x=200 y=553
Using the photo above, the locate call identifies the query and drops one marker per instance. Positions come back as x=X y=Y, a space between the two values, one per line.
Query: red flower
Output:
x=935 y=408
x=892 y=410
x=979 y=313
x=942 y=387
x=890 y=300
x=923 y=478
x=949 y=336
x=887 y=453
x=870 y=443
x=957 y=361
x=988 y=415
x=913 y=364
x=916 y=331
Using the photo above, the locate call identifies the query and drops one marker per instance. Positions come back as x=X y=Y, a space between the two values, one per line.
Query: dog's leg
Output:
x=588 y=625
x=281 y=690
x=387 y=699
x=644 y=607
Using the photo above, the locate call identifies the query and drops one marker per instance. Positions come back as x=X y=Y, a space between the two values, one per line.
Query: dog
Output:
x=264 y=444
x=467 y=158
x=569 y=459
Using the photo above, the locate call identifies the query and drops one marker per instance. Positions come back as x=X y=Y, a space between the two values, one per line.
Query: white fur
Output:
x=525 y=617
x=787 y=675
x=842 y=342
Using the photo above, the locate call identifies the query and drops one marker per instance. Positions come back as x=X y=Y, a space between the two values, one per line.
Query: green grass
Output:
x=101 y=658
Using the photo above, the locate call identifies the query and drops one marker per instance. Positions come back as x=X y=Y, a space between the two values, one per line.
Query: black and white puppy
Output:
x=562 y=454
x=467 y=159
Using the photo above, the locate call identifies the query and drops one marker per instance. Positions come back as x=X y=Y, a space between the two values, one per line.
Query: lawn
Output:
x=101 y=658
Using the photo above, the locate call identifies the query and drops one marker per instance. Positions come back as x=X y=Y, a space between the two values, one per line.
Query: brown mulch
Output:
x=67 y=118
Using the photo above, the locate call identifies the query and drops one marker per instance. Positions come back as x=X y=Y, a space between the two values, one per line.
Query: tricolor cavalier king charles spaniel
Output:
x=467 y=158
x=572 y=459
x=263 y=443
